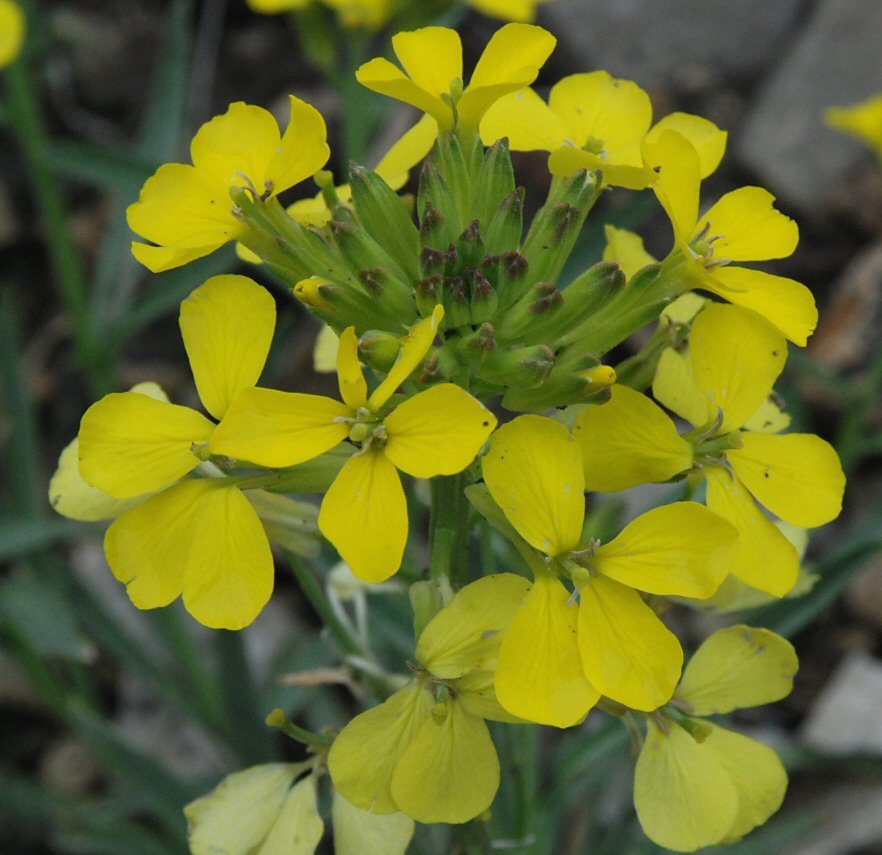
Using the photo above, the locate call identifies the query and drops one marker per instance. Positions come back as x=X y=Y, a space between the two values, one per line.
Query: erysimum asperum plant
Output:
x=475 y=373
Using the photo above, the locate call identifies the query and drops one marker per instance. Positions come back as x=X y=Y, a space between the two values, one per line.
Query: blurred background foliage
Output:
x=112 y=719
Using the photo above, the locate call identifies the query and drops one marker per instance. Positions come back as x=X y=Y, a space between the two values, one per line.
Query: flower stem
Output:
x=449 y=528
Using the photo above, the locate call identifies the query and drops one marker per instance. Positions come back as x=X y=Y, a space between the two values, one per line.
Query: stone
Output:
x=690 y=44
x=845 y=717
x=836 y=60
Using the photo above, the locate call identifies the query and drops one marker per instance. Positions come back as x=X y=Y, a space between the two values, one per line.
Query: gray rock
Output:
x=836 y=61
x=686 y=43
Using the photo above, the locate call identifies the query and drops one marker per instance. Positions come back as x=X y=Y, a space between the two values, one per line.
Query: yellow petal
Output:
x=508 y=10
x=466 y=634
x=769 y=418
x=431 y=56
x=407 y=152
x=12 y=31
x=363 y=757
x=414 y=346
x=706 y=138
x=298 y=829
x=158 y=259
x=131 y=444
x=310 y=212
x=437 y=432
x=765 y=559
x=684 y=797
x=73 y=498
x=324 y=353
x=364 y=514
x=534 y=472
x=476 y=691
x=596 y=106
x=627 y=652
x=674 y=386
x=303 y=149
x=227 y=325
x=684 y=309
x=749 y=227
x=736 y=359
x=757 y=774
x=272 y=7
x=797 y=476
x=360 y=832
x=738 y=667
x=626 y=249
x=785 y=303
x=449 y=772
x=539 y=676
x=200 y=538
x=526 y=120
x=180 y=208
x=681 y=549
x=629 y=441
x=278 y=429
x=677 y=180
x=236 y=816
x=863 y=121
x=353 y=387
x=380 y=75
x=511 y=61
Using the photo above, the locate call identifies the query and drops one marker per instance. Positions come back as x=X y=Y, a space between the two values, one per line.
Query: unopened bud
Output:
x=379 y=349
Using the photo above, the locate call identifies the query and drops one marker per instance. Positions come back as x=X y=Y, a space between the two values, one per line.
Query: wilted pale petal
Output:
x=757 y=774
x=414 y=347
x=466 y=634
x=364 y=514
x=736 y=359
x=360 y=832
x=684 y=797
x=785 y=303
x=626 y=249
x=324 y=353
x=131 y=444
x=534 y=472
x=236 y=816
x=627 y=652
x=278 y=429
x=363 y=757
x=227 y=325
x=201 y=538
x=476 y=691
x=765 y=559
x=749 y=227
x=540 y=676
x=449 y=772
x=628 y=441
x=298 y=828
x=797 y=476
x=737 y=667
x=437 y=432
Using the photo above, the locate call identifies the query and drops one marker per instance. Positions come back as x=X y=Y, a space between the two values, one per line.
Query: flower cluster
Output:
x=448 y=313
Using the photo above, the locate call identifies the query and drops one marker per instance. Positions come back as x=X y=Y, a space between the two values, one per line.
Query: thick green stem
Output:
x=449 y=528
x=27 y=122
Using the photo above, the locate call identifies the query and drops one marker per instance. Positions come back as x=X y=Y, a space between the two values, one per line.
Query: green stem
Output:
x=28 y=124
x=280 y=721
x=449 y=528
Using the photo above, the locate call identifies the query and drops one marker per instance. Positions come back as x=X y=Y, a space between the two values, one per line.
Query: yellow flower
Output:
x=742 y=226
x=187 y=211
x=364 y=514
x=426 y=751
x=556 y=658
x=863 y=121
x=595 y=121
x=432 y=78
x=722 y=386
x=371 y=14
x=200 y=537
x=508 y=10
x=12 y=31
x=698 y=784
